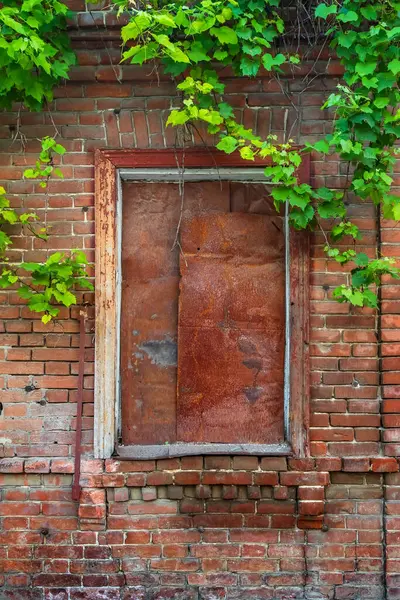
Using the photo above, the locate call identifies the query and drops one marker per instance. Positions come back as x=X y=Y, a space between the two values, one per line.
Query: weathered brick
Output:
x=170 y=543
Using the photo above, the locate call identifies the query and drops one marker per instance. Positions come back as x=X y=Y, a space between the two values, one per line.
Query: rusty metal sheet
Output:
x=149 y=302
x=231 y=329
x=251 y=198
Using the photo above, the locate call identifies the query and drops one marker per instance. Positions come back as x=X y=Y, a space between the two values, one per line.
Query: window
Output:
x=201 y=338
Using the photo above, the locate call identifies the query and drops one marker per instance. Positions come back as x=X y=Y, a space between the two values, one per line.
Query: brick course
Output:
x=195 y=528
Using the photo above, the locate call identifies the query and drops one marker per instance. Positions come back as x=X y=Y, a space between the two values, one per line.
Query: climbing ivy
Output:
x=34 y=51
x=35 y=55
x=189 y=40
x=54 y=279
x=366 y=38
x=193 y=41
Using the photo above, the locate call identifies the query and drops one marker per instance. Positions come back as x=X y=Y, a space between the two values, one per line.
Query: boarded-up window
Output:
x=203 y=323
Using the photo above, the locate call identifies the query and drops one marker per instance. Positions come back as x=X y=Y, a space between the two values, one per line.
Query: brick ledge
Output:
x=89 y=466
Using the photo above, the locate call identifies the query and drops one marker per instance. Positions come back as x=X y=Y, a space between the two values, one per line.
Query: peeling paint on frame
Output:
x=199 y=164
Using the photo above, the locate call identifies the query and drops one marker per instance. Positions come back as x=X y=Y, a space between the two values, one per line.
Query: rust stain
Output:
x=150 y=289
x=231 y=329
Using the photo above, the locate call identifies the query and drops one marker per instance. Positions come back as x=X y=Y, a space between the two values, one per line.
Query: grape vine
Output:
x=189 y=40
x=192 y=42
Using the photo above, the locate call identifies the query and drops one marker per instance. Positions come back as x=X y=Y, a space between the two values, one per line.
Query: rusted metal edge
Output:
x=287 y=361
x=76 y=489
x=118 y=302
x=176 y=450
x=107 y=312
x=244 y=175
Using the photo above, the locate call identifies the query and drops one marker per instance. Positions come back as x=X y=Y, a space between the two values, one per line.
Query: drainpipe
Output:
x=76 y=488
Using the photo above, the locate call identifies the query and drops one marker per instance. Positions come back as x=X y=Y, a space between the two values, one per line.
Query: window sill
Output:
x=183 y=449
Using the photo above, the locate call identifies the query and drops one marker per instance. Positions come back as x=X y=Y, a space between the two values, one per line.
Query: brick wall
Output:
x=196 y=528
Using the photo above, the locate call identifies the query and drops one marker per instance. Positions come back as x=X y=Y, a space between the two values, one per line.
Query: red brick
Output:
x=358 y=449
x=59 y=465
x=188 y=477
x=159 y=478
x=384 y=465
x=128 y=466
x=191 y=463
x=191 y=505
x=121 y=494
x=273 y=464
x=245 y=462
x=229 y=478
x=114 y=480
x=11 y=465
x=37 y=466
x=355 y=420
x=265 y=478
x=135 y=480
x=281 y=492
x=344 y=406
x=329 y=464
x=217 y=462
x=297 y=478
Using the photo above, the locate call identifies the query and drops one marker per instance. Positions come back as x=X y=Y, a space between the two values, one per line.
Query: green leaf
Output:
x=251 y=50
x=332 y=209
x=347 y=39
x=385 y=178
x=210 y=116
x=178 y=117
x=220 y=55
x=227 y=144
x=366 y=68
x=346 y=145
x=164 y=19
x=132 y=52
x=249 y=67
x=246 y=153
x=225 y=35
x=225 y=109
x=356 y=298
x=28 y=266
x=37 y=305
x=361 y=259
x=394 y=66
x=280 y=194
x=172 y=50
x=270 y=61
x=59 y=149
x=381 y=101
x=369 y=12
x=197 y=53
x=134 y=28
x=300 y=219
x=177 y=55
x=31 y=173
x=348 y=17
x=54 y=258
x=67 y=298
x=396 y=212
x=385 y=81
x=323 y=10
x=370 y=299
x=244 y=33
x=25 y=292
x=394 y=33
x=301 y=201
x=321 y=146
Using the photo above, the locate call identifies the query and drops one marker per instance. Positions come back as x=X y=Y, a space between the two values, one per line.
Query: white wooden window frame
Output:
x=110 y=174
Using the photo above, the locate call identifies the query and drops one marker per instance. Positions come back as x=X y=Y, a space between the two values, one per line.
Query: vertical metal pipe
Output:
x=76 y=489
